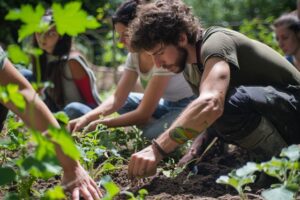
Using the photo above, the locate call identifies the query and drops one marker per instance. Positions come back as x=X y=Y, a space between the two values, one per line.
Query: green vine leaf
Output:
x=15 y=96
x=64 y=139
x=16 y=55
x=30 y=17
x=72 y=20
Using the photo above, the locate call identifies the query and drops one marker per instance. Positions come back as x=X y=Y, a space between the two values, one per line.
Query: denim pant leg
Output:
x=166 y=113
x=244 y=107
x=76 y=109
x=133 y=101
x=158 y=126
x=28 y=74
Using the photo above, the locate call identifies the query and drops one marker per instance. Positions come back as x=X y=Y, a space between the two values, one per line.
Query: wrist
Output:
x=166 y=143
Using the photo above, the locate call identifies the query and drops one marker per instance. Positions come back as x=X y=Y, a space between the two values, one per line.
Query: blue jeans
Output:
x=246 y=105
x=73 y=109
x=163 y=116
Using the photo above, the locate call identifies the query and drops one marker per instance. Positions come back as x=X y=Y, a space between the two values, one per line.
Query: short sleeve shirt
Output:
x=251 y=62
x=2 y=57
x=132 y=64
x=177 y=87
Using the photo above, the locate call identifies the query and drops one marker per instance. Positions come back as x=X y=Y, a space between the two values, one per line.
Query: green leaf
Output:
x=111 y=188
x=247 y=169
x=143 y=193
x=7 y=175
x=55 y=193
x=292 y=152
x=71 y=19
x=45 y=168
x=16 y=55
x=278 y=194
x=45 y=147
x=65 y=141
x=62 y=117
x=15 y=96
x=30 y=17
x=108 y=167
x=228 y=181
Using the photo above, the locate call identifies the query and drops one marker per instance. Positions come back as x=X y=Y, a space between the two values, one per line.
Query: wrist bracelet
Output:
x=159 y=149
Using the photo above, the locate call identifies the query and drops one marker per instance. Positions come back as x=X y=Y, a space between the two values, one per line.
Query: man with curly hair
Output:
x=248 y=94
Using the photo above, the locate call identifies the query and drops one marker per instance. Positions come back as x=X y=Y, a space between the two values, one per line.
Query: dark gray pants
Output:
x=246 y=105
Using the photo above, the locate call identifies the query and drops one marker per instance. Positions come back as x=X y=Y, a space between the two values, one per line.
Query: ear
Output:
x=183 y=41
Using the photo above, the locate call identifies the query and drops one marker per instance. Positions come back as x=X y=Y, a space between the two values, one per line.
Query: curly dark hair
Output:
x=126 y=12
x=289 y=20
x=162 y=22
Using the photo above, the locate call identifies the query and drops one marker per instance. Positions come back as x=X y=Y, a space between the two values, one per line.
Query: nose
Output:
x=157 y=61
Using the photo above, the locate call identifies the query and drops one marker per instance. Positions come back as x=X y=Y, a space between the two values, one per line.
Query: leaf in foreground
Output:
x=7 y=175
x=278 y=194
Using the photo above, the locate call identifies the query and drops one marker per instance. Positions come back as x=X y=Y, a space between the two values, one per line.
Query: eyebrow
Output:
x=159 y=50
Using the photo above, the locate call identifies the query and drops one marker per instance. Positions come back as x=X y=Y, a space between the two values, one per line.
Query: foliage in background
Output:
x=253 y=18
x=97 y=44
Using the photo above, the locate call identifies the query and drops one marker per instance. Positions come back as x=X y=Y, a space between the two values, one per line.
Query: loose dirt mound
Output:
x=185 y=186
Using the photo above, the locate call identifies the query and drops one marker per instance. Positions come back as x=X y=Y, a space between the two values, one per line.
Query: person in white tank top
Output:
x=165 y=94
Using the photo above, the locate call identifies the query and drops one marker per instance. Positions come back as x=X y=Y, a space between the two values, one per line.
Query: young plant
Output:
x=240 y=178
x=286 y=169
x=112 y=190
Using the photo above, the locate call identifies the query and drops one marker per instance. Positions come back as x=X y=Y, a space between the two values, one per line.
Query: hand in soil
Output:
x=144 y=163
x=77 y=124
x=80 y=184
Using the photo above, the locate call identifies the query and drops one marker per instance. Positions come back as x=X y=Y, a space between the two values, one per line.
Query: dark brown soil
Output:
x=185 y=186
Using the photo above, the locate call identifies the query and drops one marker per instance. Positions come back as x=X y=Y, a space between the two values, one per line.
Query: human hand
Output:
x=80 y=184
x=144 y=163
x=77 y=124
x=92 y=126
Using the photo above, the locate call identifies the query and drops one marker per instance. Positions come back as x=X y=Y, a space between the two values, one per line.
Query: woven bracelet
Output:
x=159 y=149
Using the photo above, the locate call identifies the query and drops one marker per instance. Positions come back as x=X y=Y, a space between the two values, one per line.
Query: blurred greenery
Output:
x=252 y=17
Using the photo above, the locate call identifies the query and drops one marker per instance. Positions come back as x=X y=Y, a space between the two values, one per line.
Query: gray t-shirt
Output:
x=251 y=62
x=177 y=87
x=2 y=58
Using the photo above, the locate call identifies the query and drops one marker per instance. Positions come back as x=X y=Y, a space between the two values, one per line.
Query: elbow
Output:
x=143 y=117
x=211 y=106
x=215 y=107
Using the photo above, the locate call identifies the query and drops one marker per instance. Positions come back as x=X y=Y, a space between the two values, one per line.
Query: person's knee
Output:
x=76 y=109
x=27 y=74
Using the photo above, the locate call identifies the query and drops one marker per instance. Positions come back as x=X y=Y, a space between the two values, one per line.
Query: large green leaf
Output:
x=71 y=19
x=15 y=96
x=7 y=175
x=111 y=188
x=45 y=168
x=292 y=152
x=16 y=55
x=55 y=193
x=62 y=117
x=64 y=139
x=278 y=194
x=30 y=17
x=248 y=169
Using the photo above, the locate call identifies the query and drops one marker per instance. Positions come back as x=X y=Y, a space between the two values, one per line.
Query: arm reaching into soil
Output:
x=112 y=104
x=198 y=116
x=37 y=116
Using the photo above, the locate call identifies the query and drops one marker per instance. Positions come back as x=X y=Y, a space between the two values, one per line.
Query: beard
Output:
x=181 y=59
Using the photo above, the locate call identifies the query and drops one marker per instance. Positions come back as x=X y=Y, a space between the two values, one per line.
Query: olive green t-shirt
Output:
x=2 y=58
x=251 y=62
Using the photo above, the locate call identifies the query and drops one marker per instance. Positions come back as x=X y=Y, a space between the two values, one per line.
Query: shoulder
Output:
x=75 y=65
